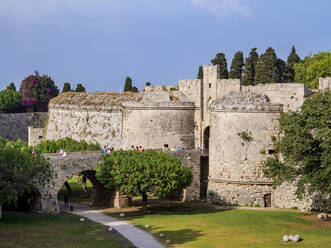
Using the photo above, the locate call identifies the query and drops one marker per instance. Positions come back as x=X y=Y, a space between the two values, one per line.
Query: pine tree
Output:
x=200 y=73
x=128 y=84
x=266 y=68
x=148 y=83
x=11 y=86
x=221 y=61
x=250 y=63
x=80 y=88
x=66 y=87
x=292 y=59
x=237 y=65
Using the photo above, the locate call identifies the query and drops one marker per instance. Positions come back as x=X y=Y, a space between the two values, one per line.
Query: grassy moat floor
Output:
x=187 y=225
x=25 y=230
x=201 y=225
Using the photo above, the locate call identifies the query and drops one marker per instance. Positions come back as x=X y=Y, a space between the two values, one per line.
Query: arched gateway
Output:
x=85 y=163
x=63 y=169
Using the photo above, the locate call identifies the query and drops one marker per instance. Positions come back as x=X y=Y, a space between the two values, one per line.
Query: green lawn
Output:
x=23 y=230
x=193 y=225
x=78 y=195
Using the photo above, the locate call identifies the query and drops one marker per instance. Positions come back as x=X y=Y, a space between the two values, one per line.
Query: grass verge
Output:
x=18 y=230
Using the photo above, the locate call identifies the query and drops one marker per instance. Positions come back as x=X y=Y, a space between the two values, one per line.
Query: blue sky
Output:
x=100 y=42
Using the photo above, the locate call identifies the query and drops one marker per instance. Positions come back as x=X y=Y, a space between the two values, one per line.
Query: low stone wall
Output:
x=284 y=197
x=324 y=83
x=14 y=126
x=237 y=194
x=36 y=135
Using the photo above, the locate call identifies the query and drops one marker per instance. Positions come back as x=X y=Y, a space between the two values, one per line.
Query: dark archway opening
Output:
x=267 y=200
x=86 y=189
x=206 y=136
x=204 y=173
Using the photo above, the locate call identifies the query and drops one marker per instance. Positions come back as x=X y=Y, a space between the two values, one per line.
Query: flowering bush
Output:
x=37 y=91
x=29 y=101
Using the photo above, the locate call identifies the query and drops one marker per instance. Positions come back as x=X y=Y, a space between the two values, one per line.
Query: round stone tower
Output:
x=244 y=129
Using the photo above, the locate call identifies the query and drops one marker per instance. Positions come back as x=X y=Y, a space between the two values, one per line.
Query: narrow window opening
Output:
x=271 y=151
x=209 y=85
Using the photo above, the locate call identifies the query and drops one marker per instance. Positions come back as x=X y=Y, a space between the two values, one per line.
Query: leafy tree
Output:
x=282 y=71
x=19 y=171
x=237 y=65
x=68 y=144
x=133 y=172
x=37 y=91
x=134 y=89
x=292 y=59
x=306 y=147
x=250 y=63
x=148 y=83
x=128 y=84
x=10 y=101
x=11 y=86
x=266 y=68
x=80 y=88
x=200 y=73
x=312 y=67
x=221 y=61
x=66 y=87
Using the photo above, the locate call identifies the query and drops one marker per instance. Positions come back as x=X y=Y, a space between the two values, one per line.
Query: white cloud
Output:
x=223 y=7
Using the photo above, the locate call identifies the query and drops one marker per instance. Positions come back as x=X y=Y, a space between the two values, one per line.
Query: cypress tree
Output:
x=148 y=83
x=221 y=61
x=237 y=65
x=66 y=87
x=250 y=63
x=292 y=59
x=200 y=73
x=134 y=89
x=128 y=84
x=282 y=71
x=11 y=86
x=266 y=68
x=80 y=88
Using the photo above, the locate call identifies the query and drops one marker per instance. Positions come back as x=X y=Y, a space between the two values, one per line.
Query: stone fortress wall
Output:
x=196 y=114
x=14 y=126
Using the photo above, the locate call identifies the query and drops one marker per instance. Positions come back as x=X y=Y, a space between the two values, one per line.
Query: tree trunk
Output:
x=0 y=211
x=144 y=207
x=84 y=186
x=68 y=187
x=102 y=197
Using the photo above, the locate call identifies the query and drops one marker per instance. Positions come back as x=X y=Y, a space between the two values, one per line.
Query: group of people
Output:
x=137 y=148
x=108 y=150
x=63 y=153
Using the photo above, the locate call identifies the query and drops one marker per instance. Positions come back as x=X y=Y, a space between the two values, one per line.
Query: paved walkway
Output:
x=136 y=236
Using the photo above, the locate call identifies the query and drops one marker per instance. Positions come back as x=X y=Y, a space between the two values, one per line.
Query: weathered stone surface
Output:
x=324 y=83
x=14 y=126
x=85 y=162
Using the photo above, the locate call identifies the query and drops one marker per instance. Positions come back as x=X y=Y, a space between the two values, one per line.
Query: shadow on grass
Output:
x=166 y=207
x=176 y=237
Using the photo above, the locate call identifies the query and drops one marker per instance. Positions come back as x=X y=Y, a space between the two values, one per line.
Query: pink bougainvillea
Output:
x=29 y=101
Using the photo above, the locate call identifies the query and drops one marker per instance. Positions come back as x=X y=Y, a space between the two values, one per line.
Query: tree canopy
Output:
x=200 y=73
x=19 y=170
x=292 y=59
x=128 y=84
x=134 y=172
x=10 y=101
x=37 y=91
x=80 y=88
x=249 y=71
x=266 y=68
x=11 y=86
x=221 y=61
x=237 y=65
x=66 y=87
x=312 y=68
x=306 y=147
